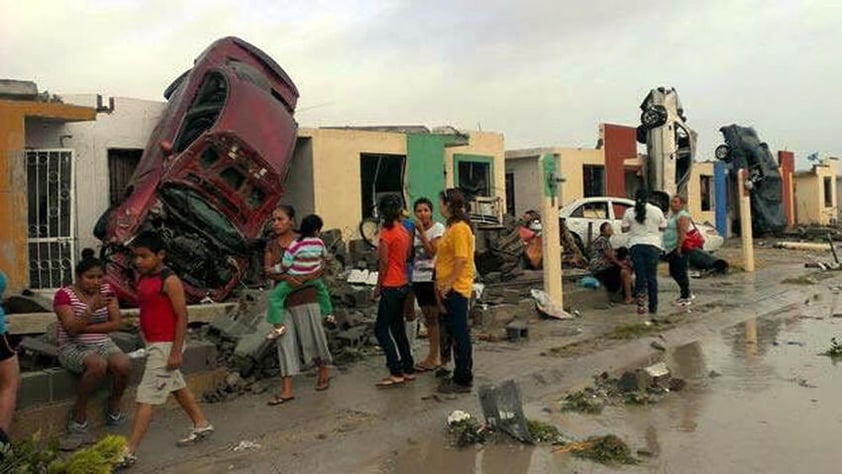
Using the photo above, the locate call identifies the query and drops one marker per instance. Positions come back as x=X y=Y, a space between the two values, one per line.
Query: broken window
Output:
x=593 y=177
x=828 y=192
x=121 y=165
x=380 y=174
x=474 y=178
x=204 y=110
x=706 y=189
x=591 y=210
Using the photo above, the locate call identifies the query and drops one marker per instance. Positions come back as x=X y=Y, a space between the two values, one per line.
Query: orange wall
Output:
x=13 y=208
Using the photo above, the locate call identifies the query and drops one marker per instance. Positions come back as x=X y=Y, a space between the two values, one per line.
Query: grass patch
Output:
x=583 y=401
x=631 y=331
x=609 y=449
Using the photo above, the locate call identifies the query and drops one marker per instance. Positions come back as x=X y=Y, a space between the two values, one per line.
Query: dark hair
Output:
x=424 y=201
x=641 y=197
x=622 y=253
x=149 y=239
x=455 y=201
x=310 y=226
x=286 y=209
x=603 y=226
x=88 y=261
x=390 y=207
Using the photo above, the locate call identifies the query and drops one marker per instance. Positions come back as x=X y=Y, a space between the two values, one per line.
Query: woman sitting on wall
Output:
x=87 y=311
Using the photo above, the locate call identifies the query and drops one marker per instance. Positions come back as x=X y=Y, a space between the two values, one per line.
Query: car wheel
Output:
x=642 y=132
x=722 y=152
x=370 y=231
x=654 y=116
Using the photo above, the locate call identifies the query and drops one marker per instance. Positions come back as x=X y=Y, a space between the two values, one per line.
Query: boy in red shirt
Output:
x=163 y=321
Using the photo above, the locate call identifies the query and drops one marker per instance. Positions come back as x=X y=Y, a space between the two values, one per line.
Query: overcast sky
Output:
x=542 y=72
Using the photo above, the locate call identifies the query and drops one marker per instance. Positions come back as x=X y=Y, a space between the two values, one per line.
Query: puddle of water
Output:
x=773 y=407
x=493 y=459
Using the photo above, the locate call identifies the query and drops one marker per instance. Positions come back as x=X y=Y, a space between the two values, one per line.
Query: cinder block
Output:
x=37 y=346
x=198 y=357
x=34 y=389
x=62 y=384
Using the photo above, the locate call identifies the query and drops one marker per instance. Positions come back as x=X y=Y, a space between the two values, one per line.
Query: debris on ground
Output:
x=38 y=455
x=246 y=445
x=544 y=432
x=835 y=350
x=638 y=387
x=608 y=449
x=465 y=430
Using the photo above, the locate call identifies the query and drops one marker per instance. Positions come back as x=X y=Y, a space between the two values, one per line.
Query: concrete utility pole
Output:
x=744 y=187
x=550 y=230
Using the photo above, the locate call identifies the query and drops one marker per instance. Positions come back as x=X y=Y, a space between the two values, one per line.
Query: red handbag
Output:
x=692 y=239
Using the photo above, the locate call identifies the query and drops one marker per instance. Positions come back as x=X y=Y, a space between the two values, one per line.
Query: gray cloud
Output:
x=542 y=72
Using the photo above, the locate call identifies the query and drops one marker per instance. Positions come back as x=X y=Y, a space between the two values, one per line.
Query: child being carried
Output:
x=302 y=262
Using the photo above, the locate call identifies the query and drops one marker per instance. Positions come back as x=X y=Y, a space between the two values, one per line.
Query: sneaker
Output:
x=115 y=419
x=196 y=435
x=74 y=427
x=127 y=459
x=276 y=333
x=453 y=387
x=685 y=301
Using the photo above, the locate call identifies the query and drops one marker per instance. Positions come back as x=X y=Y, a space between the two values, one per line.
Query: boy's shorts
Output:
x=158 y=382
x=71 y=356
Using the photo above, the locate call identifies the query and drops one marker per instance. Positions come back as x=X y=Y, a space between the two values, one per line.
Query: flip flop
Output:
x=409 y=377
x=321 y=387
x=390 y=382
x=424 y=368
x=279 y=400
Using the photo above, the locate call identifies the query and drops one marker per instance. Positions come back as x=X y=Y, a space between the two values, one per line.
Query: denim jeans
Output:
x=678 y=271
x=390 y=331
x=456 y=324
x=645 y=261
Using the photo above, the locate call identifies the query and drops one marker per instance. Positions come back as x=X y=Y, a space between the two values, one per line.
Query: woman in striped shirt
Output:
x=87 y=311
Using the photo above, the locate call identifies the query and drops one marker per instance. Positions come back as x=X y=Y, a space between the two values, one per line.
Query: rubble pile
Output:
x=639 y=387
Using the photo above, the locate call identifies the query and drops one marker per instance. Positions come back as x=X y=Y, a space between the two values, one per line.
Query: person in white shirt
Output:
x=427 y=234
x=645 y=224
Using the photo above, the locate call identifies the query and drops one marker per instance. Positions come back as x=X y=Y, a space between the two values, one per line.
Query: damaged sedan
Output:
x=210 y=175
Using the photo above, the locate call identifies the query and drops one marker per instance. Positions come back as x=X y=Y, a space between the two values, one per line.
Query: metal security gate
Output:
x=51 y=222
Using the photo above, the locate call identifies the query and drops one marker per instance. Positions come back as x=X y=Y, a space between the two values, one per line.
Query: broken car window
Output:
x=204 y=217
x=204 y=111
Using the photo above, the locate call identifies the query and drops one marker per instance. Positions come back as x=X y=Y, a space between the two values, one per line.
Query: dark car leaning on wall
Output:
x=211 y=173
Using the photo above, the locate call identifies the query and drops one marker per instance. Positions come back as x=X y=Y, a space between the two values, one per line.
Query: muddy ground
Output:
x=771 y=409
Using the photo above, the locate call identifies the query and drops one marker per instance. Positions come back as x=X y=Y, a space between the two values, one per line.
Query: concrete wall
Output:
x=527 y=176
x=810 y=205
x=13 y=202
x=298 y=187
x=694 y=193
x=620 y=144
x=128 y=126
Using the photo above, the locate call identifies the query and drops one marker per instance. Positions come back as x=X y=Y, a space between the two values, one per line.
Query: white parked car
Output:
x=587 y=214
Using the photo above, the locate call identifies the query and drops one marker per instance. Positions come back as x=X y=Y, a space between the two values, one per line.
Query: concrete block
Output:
x=229 y=328
x=38 y=347
x=17 y=89
x=126 y=341
x=62 y=384
x=253 y=347
x=34 y=389
x=199 y=356
x=353 y=337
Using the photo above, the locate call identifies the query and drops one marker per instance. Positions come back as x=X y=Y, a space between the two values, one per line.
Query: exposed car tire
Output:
x=642 y=133
x=722 y=152
x=654 y=116
x=370 y=231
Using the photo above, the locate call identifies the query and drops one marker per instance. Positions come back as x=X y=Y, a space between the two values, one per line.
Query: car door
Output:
x=618 y=209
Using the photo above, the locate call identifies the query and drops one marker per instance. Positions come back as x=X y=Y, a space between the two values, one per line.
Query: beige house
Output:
x=339 y=173
x=815 y=196
x=701 y=197
x=583 y=171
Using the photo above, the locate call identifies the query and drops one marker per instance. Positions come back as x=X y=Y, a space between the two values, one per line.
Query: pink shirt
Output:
x=67 y=297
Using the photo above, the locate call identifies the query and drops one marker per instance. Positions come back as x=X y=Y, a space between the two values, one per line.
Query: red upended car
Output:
x=211 y=173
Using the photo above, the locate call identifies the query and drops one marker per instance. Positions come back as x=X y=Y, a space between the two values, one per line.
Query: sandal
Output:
x=390 y=382
x=409 y=377
x=425 y=368
x=279 y=400
x=322 y=386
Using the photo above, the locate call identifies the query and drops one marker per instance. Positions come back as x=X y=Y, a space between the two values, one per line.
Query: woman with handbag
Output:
x=679 y=240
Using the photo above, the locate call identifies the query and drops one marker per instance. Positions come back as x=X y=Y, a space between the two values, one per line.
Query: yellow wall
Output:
x=694 y=193
x=527 y=175
x=810 y=199
x=335 y=162
x=13 y=203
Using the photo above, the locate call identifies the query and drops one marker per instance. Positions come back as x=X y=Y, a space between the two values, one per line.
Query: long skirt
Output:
x=305 y=342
